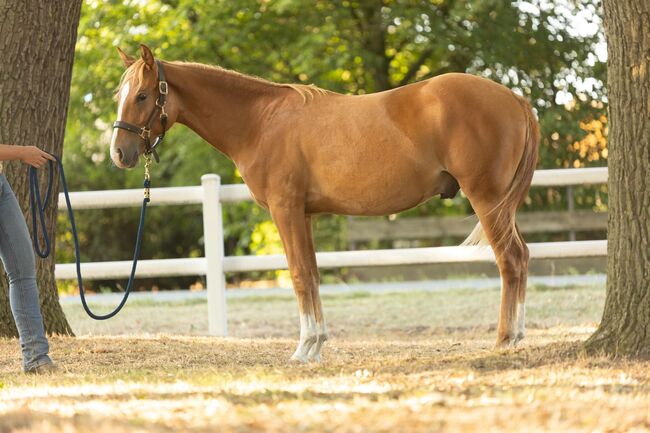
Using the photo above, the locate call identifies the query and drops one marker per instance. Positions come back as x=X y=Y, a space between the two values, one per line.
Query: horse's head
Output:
x=144 y=109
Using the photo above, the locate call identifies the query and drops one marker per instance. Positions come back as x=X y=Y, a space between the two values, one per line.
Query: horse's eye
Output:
x=142 y=97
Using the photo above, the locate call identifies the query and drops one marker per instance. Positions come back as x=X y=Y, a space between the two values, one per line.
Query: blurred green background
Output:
x=550 y=51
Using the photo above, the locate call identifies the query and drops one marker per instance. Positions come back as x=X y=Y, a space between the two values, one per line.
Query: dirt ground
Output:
x=407 y=362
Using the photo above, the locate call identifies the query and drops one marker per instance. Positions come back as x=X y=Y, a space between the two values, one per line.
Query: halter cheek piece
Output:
x=145 y=132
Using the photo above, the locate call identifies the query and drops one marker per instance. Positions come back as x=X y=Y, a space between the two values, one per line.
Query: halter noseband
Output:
x=145 y=132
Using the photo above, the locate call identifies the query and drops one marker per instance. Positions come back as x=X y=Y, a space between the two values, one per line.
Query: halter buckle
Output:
x=145 y=133
x=163 y=88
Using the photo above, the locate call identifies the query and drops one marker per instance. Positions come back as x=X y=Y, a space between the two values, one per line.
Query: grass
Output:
x=351 y=315
x=412 y=362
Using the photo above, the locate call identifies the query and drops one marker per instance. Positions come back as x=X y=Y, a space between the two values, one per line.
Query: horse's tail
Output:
x=505 y=228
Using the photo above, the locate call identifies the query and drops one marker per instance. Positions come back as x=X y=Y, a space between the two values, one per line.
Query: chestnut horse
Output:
x=304 y=151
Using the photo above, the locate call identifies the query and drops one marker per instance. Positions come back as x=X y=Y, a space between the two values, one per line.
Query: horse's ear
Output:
x=147 y=56
x=126 y=59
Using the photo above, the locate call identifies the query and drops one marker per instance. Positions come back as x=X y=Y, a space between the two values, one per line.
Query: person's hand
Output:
x=34 y=156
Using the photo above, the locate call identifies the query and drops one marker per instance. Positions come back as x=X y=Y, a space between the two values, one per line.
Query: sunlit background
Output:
x=553 y=52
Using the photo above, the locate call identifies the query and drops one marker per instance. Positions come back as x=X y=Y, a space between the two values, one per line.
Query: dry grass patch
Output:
x=403 y=362
x=163 y=383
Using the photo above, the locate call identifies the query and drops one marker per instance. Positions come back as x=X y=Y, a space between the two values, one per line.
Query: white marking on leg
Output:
x=120 y=106
x=308 y=337
x=314 y=353
x=521 y=321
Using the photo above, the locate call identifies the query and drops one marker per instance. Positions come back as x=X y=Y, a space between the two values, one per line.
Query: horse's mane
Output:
x=136 y=72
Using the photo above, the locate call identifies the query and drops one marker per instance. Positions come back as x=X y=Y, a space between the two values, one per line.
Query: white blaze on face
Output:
x=123 y=94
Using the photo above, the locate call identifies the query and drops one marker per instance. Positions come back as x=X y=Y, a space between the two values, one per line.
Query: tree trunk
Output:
x=37 y=40
x=625 y=327
x=372 y=28
x=375 y=42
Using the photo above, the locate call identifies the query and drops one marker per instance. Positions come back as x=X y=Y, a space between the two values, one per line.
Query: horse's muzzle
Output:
x=124 y=158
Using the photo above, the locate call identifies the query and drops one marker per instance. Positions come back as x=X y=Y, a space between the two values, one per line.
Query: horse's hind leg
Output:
x=512 y=260
x=290 y=221
x=510 y=255
x=521 y=299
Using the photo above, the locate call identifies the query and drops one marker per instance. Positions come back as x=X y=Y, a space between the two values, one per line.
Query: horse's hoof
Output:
x=314 y=352
x=298 y=359
x=520 y=336
x=305 y=347
x=505 y=343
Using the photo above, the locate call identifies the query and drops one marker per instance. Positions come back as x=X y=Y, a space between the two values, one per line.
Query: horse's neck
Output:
x=224 y=108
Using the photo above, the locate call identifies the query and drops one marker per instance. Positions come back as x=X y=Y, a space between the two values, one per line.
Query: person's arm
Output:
x=31 y=155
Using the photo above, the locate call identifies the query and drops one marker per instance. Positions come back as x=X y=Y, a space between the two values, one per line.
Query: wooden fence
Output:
x=410 y=228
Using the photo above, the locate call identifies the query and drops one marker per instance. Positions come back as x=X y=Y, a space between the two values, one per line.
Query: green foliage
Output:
x=343 y=45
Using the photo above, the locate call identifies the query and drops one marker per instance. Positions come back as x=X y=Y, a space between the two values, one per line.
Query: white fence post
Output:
x=213 y=244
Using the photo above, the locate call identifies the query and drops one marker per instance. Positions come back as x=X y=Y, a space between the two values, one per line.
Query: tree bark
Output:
x=375 y=42
x=372 y=28
x=37 y=40
x=625 y=326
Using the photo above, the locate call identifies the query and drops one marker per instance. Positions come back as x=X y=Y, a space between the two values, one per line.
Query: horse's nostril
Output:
x=120 y=155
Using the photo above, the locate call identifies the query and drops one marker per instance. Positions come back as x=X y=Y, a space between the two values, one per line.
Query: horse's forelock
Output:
x=133 y=72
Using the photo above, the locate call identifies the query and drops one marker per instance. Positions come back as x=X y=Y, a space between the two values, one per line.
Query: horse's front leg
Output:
x=290 y=221
x=314 y=353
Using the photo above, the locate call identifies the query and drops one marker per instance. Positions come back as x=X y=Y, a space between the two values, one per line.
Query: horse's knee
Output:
x=302 y=277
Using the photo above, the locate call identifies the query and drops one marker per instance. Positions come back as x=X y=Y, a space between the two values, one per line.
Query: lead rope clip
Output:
x=147 y=176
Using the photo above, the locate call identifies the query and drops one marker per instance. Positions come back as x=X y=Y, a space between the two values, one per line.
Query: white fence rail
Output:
x=214 y=265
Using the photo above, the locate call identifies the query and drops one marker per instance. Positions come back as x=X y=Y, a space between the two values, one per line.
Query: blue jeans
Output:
x=18 y=259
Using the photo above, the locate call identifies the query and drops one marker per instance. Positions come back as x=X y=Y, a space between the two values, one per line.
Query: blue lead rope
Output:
x=38 y=216
x=36 y=203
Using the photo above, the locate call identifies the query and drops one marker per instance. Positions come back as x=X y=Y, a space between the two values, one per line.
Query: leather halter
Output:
x=145 y=132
